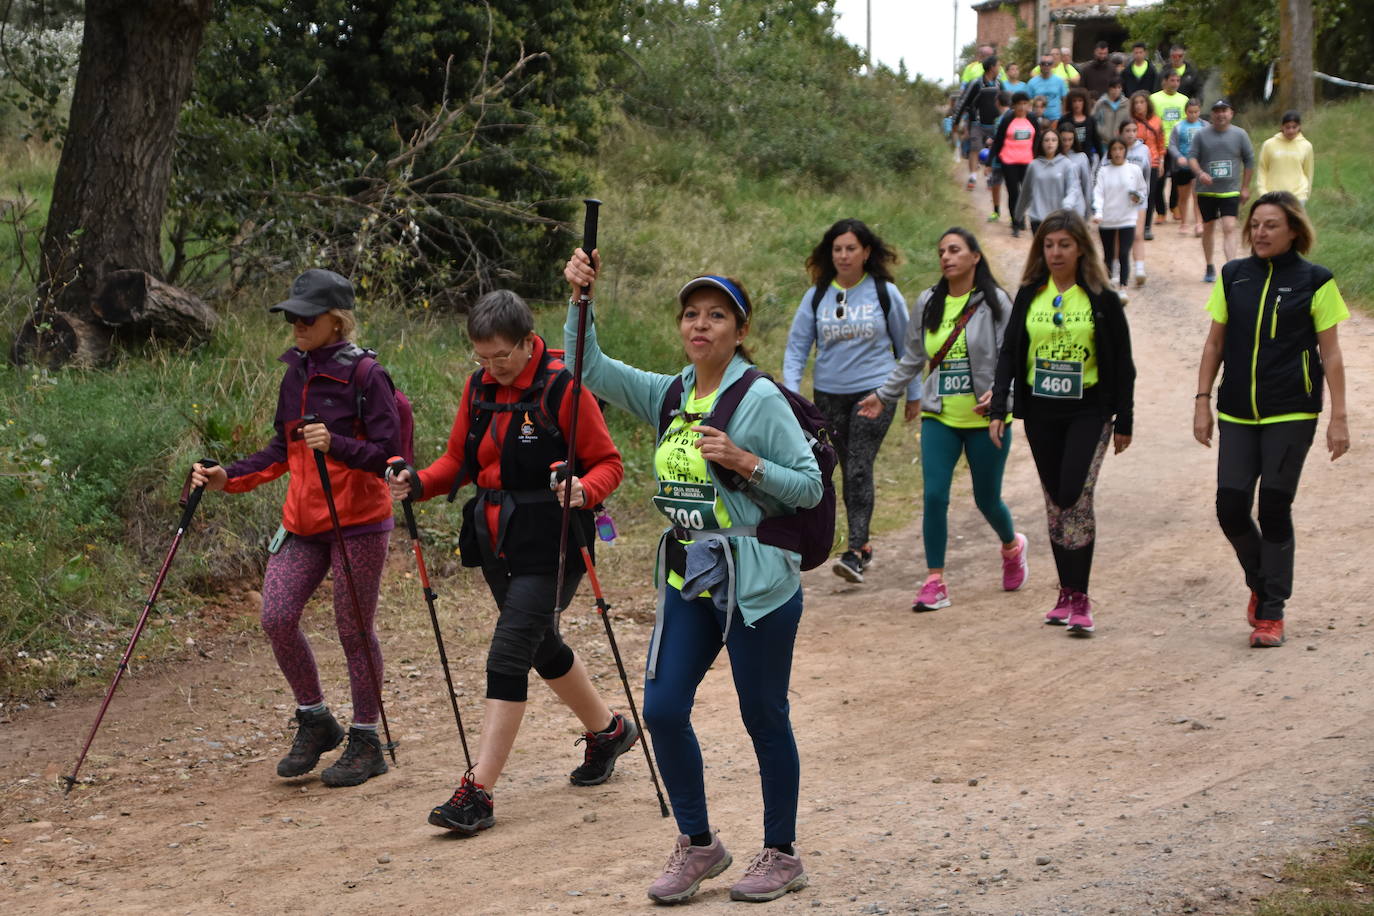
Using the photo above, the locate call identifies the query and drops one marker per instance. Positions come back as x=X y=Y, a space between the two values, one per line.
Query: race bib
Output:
x=688 y=505
x=955 y=378
x=1020 y=134
x=1056 y=378
x=1172 y=114
x=1220 y=168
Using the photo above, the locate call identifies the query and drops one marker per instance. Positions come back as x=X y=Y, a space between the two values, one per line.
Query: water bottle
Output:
x=605 y=525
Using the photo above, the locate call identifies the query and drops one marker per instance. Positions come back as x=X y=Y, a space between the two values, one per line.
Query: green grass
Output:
x=1343 y=188
x=1340 y=883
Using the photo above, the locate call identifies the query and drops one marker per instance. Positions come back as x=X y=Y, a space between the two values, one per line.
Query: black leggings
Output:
x=526 y=633
x=1271 y=455
x=1122 y=240
x=1014 y=176
x=857 y=440
x=1068 y=454
x=1156 y=198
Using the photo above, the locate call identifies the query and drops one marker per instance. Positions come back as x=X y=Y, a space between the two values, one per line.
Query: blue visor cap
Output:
x=712 y=281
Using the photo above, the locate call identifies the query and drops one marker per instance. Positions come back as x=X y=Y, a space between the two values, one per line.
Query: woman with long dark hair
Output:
x=1274 y=318
x=953 y=350
x=856 y=319
x=1052 y=181
x=1067 y=361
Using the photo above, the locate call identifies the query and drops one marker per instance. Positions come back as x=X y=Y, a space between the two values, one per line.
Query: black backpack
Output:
x=810 y=532
x=884 y=300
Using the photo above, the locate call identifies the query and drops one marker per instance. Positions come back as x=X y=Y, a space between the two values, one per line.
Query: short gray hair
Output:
x=500 y=314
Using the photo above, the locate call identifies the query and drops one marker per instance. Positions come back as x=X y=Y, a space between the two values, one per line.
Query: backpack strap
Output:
x=817 y=294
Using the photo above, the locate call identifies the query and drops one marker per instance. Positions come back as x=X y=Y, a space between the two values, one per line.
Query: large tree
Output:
x=135 y=71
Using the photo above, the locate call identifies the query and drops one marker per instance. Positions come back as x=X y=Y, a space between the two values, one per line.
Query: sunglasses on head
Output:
x=306 y=320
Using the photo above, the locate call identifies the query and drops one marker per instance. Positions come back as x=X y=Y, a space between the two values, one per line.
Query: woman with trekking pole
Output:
x=336 y=424
x=719 y=583
x=856 y=319
x=953 y=350
x=1274 y=317
x=1066 y=368
x=512 y=425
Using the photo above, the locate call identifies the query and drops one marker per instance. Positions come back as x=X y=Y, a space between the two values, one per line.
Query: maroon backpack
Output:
x=809 y=532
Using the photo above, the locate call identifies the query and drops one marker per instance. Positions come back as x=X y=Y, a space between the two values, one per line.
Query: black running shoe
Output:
x=469 y=810
x=316 y=733
x=359 y=762
x=598 y=760
x=849 y=566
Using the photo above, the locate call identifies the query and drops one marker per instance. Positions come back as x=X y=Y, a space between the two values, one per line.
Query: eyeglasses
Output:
x=306 y=320
x=1059 y=311
x=840 y=299
x=488 y=362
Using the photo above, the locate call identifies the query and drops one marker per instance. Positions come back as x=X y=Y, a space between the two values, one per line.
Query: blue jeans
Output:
x=761 y=663
x=941 y=447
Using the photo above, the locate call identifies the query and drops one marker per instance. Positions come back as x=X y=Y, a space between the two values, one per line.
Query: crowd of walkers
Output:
x=1083 y=146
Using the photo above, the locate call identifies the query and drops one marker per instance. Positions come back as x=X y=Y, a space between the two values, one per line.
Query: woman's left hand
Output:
x=1120 y=443
x=981 y=408
x=317 y=436
x=579 y=496
x=1337 y=437
x=716 y=446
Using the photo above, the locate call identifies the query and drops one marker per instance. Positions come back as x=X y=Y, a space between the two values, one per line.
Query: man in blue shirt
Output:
x=1045 y=83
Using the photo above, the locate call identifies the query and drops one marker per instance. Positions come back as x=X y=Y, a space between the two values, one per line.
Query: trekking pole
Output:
x=192 y=500
x=604 y=609
x=323 y=468
x=398 y=465
x=583 y=304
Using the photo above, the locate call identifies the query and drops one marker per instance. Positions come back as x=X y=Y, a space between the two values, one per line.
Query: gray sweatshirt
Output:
x=1223 y=154
x=982 y=335
x=1049 y=185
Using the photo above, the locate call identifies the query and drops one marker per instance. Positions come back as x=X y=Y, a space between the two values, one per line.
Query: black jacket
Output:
x=979 y=101
x=1189 y=84
x=1147 y=80
x=1112 y=343
x=1270 y=357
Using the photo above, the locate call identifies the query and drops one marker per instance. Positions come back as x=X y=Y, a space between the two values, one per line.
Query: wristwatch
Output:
x=756 y=475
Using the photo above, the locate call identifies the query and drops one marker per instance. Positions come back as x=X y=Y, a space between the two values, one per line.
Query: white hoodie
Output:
x=1112 y=201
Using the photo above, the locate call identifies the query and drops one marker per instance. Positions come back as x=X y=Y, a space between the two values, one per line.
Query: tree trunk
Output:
x=56 y=339
x=1295 y=56
x=141 y=305
x=110 y=191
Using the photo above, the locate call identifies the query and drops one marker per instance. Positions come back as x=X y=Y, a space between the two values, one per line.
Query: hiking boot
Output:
x=865 y=558
x=1268 y=634
x=771 y=874
x=932 y=596
x=687 y=867
x=316 y=732
x=1014 y=566
x=849 y=566
x=467 y=812
x=1059 y=615
x=972 y=183
x=1209 y=275
x=1253 y=609
x=1080 y=615
x=598 y=760
x=361 y=760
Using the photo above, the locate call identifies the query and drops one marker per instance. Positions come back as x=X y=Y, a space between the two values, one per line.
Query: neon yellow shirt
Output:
x=686 y=494
x=1169 y=106
x=1139 y=69
x=1065 y=71
x=1062 y=357
x=957 y=397
x=1328 y=310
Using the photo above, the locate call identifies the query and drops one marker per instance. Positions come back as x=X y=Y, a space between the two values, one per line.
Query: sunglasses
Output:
x=841 y=297
x=1059 y=311
x=307 y=320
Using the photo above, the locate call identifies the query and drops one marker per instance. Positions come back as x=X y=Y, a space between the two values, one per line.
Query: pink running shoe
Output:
x=1014 y=566
x=1060 y=614
x=769 y=876
x=932 y=596
x=687 y=867
x=1080 y=615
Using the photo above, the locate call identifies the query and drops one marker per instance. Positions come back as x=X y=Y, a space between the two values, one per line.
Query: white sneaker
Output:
x=1139 y=273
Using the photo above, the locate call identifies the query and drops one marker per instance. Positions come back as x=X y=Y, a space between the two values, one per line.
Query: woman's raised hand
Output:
x=581 y=271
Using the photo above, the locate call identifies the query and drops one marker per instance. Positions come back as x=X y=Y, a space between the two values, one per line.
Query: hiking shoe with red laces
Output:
x=1080 y=615
x=468 y=811
x=1014 y=567
x=1252 y=610
x=771 y=874
x=1059 y=614
x=932 y=596
x=687 y=867
x=1268 y=634
x=599 y=756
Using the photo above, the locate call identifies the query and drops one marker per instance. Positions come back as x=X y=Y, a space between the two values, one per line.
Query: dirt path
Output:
x=967 y=761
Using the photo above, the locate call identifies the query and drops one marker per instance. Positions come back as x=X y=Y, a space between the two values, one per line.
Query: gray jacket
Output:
x=982 y=335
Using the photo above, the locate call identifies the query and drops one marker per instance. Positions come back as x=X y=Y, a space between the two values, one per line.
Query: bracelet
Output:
x=756 y=475
x=1205 y=394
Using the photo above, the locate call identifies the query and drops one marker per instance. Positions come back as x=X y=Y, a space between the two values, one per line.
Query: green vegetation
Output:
x=1336 y=884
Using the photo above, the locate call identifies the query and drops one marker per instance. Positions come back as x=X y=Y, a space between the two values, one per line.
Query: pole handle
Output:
x=397 y=465
x=589 y=223
x=193 y=498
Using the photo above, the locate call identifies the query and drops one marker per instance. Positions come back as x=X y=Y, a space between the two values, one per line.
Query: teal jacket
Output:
x=763 y=424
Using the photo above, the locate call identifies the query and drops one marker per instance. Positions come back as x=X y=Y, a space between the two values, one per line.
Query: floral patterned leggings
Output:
x=293 y=574
x=1068 y=454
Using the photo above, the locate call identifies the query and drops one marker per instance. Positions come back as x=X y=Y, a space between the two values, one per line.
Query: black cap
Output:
x=1220 y=103
x=315 y=292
